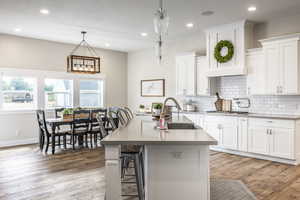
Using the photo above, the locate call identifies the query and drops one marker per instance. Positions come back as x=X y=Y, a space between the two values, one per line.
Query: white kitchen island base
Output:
x=177 y=172
x=176 y=162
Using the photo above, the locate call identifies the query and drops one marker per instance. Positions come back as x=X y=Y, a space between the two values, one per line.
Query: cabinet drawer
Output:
x=272 y=123
x=228 y=120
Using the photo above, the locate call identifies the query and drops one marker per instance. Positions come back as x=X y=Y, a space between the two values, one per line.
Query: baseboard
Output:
x=253 y=155
x=18 y=142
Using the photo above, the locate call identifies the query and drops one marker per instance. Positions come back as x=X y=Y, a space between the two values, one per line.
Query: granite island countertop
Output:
x=141 y=130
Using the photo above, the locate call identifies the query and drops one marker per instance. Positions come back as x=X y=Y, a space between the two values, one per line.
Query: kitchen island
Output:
x=176 y=161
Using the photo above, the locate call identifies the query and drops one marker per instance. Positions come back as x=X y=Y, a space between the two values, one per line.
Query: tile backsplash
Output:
x=236 y=86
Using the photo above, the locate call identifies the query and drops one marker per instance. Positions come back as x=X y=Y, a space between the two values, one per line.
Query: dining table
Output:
x=54 y=123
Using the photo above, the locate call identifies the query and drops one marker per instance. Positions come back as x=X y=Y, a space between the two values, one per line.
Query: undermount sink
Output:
x=178 y=125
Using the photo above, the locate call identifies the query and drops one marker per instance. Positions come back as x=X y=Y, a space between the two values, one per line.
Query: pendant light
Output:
x=161 y=25
x=83 y=64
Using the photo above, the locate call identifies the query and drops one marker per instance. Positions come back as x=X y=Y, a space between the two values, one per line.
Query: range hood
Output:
x=240 y=34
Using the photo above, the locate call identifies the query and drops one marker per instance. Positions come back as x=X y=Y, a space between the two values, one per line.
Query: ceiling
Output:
x=120 y=22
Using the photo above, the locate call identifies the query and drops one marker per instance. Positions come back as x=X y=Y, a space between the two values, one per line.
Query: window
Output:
x=18 y=93
x=58 y=93
x=91 y=93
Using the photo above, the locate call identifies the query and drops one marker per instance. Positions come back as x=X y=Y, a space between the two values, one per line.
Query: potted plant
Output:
x=142 y=108
x=157 y=109
x=67 y=113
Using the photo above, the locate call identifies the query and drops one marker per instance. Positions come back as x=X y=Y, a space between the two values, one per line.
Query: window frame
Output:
x=41 y=76
x=99 y=92
x=35 y=91
x=71 y=92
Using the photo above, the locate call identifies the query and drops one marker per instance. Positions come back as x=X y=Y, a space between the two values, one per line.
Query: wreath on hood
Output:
x=220 y=45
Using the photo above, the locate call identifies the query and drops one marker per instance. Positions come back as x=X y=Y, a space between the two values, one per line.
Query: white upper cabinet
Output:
x=281 y=57
x=256 y=78
x=186 y=74
x=205 y=86
x=240 y=34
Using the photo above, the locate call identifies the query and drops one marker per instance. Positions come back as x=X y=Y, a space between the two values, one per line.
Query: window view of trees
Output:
x=58 y=93
x=91 y=93
x=18 y=92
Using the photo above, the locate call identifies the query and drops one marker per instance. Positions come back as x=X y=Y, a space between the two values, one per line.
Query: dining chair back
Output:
x=96 y=125
x=42 y=121
x=58 y=112
x=130 y=113
x=101 y=125
x=112 y=120
x=80 y=125
x=123 y=116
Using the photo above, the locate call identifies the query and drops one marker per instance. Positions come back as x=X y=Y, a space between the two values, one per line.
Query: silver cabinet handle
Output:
x=249 y=89
x=271 y=132
x=267 y=131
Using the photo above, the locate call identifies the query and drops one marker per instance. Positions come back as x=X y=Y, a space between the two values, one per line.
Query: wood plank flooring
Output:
x=26 y=174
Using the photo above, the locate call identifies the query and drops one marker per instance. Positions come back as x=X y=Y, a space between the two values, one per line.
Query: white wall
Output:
x=26 y=53
x=141 y=64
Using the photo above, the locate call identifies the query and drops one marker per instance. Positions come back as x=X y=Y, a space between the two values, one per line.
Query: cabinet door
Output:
x=258 y=140
x=190 y=71
x=256 y=78
x=213 y=130
x=180 y=76
x=243 y=134
x=282 y=143
x=289 y=68
x=202 y=79
x=185 y=75
x=229 y=136
x=272 y=62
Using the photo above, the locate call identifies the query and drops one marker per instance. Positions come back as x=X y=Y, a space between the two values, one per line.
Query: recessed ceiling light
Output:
x=251 y=8
x=207 y=13
x=107 y=44
x=189 y=25
x=44 y=11
x=18 y=29
x=144 y=34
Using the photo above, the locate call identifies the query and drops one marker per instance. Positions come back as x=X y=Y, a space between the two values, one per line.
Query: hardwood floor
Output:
x=26 y=174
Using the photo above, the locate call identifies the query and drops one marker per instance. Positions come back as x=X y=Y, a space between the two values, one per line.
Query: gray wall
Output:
x=25 y=53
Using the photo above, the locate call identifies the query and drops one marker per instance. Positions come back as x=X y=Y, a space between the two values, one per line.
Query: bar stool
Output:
x=130 y=154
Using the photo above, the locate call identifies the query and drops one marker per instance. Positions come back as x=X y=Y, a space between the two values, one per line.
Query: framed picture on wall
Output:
x=153 y=88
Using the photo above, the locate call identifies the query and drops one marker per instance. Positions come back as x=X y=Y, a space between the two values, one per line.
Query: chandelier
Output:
x=161 y=24
x=83 y=64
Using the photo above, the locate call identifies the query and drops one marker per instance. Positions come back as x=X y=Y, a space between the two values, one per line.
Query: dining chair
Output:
x=58 y=112
x=95 y=129
x=130 y=113
x=123 y=116
x=45 y=134
x=113 y=119
x=80 y=127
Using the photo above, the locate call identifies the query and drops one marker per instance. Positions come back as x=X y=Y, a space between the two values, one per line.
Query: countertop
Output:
x=141 y=130
x=250 y=115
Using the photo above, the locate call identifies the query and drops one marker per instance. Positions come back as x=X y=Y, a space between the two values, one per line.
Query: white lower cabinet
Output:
x=282 y=142
x=258 y=141
x=272 y=137
x=229 y=136
x=213 y=130
x=223 y=129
